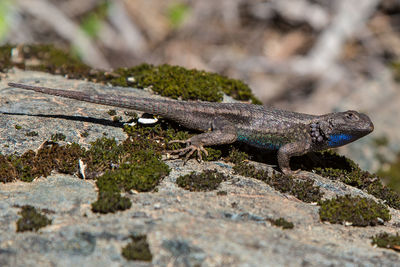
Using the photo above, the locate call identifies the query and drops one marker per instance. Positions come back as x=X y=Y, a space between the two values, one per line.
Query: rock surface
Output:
x=183 y=228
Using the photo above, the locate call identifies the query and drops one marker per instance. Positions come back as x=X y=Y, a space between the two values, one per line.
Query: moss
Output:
x=303 y=190
x=386 y=240
x=137 y=167
x=8 y=173
x=112 y=112
x=135 y=164
x=50 y=156
x=137 y=249
x=236 y=156
x=207 y=180
x=31 y=134
x=110 y=201
x=222 y=193
x=142 y=172
x=117 y=118
x=336 y=167
x=356 y=210
x=104 y=154
x=213 y=154
x=178 y=82
x=31 y=219
x=58 y=137
x=84 y=134
x=282 y=223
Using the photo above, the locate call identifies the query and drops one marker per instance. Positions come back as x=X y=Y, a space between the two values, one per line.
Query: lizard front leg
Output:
x=289 y=150
x=222 y=135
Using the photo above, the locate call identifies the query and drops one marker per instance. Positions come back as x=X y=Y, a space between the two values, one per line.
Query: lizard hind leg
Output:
x=224 y=135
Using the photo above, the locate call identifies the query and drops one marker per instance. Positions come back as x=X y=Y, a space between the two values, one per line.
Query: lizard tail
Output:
x=159 y=107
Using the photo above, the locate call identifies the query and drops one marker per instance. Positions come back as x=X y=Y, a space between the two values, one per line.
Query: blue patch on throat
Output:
x=339 y=139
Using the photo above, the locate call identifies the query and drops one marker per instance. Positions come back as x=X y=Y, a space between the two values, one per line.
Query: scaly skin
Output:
x=291 y=133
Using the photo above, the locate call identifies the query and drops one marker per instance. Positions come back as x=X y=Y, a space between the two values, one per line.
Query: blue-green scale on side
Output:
x=266 y=142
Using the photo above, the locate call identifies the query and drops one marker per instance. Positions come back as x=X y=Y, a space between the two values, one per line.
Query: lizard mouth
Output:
x=371 y=127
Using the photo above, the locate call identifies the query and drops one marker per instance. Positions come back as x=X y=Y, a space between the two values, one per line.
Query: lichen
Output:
x=356 y=210
x=138 y=249
x=31 y=219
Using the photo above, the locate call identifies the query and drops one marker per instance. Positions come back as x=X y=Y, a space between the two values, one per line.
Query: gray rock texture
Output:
x=183 y=228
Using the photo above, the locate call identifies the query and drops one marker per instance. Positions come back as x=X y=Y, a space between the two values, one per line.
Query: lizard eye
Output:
x=351 y=116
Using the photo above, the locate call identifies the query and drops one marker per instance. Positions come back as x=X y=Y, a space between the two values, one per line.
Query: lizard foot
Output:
x=189 y=150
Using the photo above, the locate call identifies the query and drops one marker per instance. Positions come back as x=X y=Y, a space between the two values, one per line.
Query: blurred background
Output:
x=313 y=56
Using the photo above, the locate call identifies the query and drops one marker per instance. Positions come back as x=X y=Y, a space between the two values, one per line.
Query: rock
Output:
x=183 y=228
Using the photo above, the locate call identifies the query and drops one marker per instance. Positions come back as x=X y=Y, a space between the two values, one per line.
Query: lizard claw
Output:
x=189 y=150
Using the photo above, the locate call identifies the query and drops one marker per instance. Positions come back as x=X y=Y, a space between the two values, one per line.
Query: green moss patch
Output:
x=31 y=219
x=135 y=164
x=386 y=240
x=138 y=249
x=49 y=157
x=303 y=190
x=235 y=156
x=8 y=173
x=335 y=167
x=58 y=137
x=178 y=82
x=110 y=201
x=281 y=222
x=356 y=210
x=207 y=180
x=31 y=133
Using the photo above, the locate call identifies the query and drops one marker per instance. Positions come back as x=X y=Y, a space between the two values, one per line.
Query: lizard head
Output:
x=342 y=128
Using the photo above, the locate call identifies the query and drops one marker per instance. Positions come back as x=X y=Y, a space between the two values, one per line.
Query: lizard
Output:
x=290 y=133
